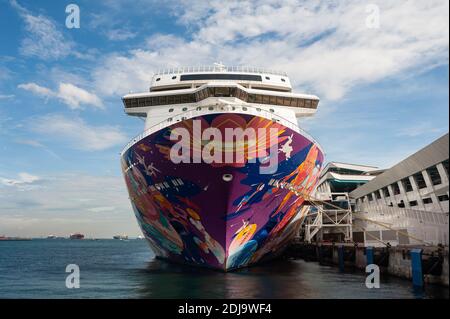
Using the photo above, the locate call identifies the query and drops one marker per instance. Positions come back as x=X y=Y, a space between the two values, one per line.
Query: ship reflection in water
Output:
x=279 y=279
x=127 y=269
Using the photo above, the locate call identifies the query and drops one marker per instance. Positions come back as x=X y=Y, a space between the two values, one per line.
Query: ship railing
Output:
x=218 y=68
x=240 y=108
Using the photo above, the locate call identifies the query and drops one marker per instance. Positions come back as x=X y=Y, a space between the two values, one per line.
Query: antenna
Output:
x=220 y=66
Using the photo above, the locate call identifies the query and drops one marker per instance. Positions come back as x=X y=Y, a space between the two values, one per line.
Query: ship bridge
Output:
x=181 y=93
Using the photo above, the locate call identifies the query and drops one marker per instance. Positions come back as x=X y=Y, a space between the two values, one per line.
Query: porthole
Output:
x=227 y=177
x=211 y=108
x=199 y=108
x=283 y=80
x=272 y=110
x=258 y=109
x=169 y=119
x=174 y=77
x=158 y=79
x=170 y=110
x=267 y=78
x=244 y=108
x=184 y=109
x=233 y=108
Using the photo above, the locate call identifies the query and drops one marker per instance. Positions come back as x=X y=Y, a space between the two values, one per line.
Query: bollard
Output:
x=341 y=257
x=369 y=255
x=416 y=266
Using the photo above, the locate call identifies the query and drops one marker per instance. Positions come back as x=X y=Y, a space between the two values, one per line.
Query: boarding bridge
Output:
x=334 y=213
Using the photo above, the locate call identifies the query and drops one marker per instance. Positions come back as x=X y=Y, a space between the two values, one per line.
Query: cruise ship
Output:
x=220 y=175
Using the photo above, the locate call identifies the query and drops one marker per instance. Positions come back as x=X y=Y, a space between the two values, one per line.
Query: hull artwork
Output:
x=220 y=215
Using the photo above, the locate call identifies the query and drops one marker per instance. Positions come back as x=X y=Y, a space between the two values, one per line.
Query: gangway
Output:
x=336 y=212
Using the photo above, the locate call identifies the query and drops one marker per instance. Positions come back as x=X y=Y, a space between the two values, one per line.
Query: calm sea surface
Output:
x=127 y=269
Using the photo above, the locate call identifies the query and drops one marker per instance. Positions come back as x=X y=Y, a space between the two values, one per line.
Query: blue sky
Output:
x=383 y=90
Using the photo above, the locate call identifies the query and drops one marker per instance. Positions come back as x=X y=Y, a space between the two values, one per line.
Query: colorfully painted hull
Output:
x=223 y=216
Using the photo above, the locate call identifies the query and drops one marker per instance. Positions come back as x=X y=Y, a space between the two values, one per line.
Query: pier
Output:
x=420 y=264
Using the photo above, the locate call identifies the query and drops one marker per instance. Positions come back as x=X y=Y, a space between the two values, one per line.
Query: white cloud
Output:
x=420 y=129
x=326 y=48
x=43 y=39
x=120 y=35
x=6 y=96
x=21 y=180
x=37 y=89
x=77 y=133
x=101 y=209
x=69 y=94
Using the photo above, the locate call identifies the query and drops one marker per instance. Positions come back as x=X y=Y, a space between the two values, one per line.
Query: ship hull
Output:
x=221 y=215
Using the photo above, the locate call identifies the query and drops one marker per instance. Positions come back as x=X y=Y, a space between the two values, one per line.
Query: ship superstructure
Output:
x=203 y=198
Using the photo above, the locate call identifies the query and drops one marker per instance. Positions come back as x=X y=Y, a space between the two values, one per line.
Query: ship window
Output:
x=273 y=100
x=170 y=110
x=443 y=198
x=370 y=197
x=301 y=103
x=158 y=79
x=215 y=76
x=427 y=200
x=244 y=108
x=184 y=109
x=233 y=91
x=287 y=101
x=185 y=98
x=315 y=103
x=283 y=80
x=162 y=100
x=294 y=102
x=272 y=110
x=258 y=109
x=199 y=108
x=211 y=108
x=385 y=192
x=251 y=98
x=266 y=99
x=420 y=181
x=169 y=119
x=210 y=92
x=308 y=104
x=222 y=91
x=279 y=100
x=267 y=78
x=174 y=77
x=170 y=99
x=434 y=175
x=176 y=99
x=191 y=98
x=258 y=98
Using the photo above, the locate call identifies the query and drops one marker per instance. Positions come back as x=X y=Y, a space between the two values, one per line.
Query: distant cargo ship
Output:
x=76 y=236
x=51 y=237
x=195 y=205
x=121 y=237
x=5 y=238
